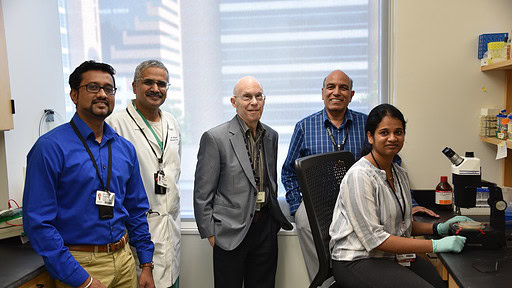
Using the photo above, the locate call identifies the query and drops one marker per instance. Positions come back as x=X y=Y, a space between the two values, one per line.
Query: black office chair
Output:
x=319 y=179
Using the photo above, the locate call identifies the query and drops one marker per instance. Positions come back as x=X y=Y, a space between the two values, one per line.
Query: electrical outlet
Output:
x=49 y=115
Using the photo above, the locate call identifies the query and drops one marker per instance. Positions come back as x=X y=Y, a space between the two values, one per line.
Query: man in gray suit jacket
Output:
x=235 y=193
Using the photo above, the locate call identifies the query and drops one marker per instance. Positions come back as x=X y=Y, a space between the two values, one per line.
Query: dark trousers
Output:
x=253 y=262
x=378 y=272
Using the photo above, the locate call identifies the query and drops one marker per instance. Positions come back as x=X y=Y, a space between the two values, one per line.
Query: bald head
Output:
x=248 y=100
x=338 y=73
x=245 y=82
x=337 y=93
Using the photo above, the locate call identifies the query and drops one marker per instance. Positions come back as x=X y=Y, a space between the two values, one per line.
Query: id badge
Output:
x=405 y=259
x=105 y=201
x=105 y=198
x=261 y=197
x=162 y=180
x=159 y=189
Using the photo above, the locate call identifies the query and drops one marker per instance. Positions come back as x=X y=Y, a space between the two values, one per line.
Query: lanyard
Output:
x=336 y=146
x=402 y=209
x=258 y=146
x=109 y=174
x=150 y=129
x=162 y=147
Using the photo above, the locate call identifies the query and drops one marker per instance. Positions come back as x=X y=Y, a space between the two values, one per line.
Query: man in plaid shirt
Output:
x=333 y=128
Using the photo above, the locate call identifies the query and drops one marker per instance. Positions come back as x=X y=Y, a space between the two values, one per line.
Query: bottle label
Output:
x=444 y=197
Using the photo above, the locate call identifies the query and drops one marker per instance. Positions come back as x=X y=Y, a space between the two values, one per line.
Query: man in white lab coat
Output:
x=156 y=137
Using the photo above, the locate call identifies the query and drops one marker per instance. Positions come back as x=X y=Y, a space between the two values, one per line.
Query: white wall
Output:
x=437 y=83
x=35 y=67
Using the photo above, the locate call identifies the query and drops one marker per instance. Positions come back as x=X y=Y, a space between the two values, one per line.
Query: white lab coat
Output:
x=164 y=228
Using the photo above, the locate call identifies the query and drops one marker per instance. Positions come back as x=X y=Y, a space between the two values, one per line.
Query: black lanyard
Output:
x=105 y=188
x=258 y=144
x=336 y=146
x=161 y=158
x=402 y=209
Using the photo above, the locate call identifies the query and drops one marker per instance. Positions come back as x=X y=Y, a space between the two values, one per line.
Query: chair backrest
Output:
x=319 y=179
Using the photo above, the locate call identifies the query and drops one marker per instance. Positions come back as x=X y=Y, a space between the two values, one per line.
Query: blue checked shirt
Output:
x=310 y=137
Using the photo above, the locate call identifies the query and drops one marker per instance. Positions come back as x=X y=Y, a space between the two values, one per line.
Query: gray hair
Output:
x=146 y=64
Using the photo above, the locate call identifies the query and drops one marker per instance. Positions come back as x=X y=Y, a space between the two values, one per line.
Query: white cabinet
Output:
x=6 y=121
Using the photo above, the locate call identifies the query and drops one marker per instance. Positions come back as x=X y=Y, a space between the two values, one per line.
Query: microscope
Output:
x=466 y=178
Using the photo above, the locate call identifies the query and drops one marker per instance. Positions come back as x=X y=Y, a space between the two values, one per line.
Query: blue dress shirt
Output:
x=310 y=137
x=59 y=198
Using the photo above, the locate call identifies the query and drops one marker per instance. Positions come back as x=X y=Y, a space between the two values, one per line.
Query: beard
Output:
x=100 y=112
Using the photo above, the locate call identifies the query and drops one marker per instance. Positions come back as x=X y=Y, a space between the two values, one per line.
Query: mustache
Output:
x=153 y=93
x=101 y=101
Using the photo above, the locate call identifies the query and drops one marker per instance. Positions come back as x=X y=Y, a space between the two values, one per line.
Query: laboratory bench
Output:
x=21 y=266
x=473 y=267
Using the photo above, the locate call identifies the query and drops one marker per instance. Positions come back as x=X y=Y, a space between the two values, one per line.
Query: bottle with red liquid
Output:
x=444 y=195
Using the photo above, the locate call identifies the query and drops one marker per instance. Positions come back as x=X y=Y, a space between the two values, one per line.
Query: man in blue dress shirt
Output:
x=333 y=128
x=83 y=191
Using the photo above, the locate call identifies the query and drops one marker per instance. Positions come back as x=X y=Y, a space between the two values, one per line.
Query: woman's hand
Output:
x=449 y=244
x=421 y=209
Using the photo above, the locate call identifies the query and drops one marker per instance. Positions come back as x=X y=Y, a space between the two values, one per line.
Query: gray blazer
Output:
x=224 y=185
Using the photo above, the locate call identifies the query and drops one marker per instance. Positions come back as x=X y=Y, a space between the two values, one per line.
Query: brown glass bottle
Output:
x=444 y=195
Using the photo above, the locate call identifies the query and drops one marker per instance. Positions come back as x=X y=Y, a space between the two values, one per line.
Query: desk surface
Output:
x=18 y=262
x=466 y=268
x=462 y=266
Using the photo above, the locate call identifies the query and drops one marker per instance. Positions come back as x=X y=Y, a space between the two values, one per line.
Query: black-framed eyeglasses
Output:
x=160 y=83
x=95 y=88
x=248 y=97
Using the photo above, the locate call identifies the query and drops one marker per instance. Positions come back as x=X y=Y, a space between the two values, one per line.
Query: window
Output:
x=289 y=46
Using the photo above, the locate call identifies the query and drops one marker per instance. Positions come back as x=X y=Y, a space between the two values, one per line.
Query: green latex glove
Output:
x=449 y=244
x=443 y=228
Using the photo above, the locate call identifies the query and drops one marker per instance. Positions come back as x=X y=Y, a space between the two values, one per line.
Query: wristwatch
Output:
x=434 y=229
x=150 y=265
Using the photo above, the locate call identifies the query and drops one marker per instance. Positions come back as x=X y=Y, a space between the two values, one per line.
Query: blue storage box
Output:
x=483 y=39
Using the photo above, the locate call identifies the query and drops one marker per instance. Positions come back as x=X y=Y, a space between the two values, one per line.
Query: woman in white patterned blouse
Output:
x=372 y=220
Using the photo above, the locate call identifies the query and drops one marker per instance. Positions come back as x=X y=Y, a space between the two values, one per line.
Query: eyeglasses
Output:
x=248 y=97
x=95 y=88
x=150 y=82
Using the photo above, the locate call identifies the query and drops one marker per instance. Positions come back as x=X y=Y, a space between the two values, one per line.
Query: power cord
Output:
x=15 y=211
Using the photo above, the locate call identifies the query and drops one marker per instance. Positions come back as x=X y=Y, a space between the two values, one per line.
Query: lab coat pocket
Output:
x=158 y=228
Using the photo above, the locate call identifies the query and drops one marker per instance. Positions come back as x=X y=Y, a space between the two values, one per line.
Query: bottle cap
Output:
x=470 y=154
x=444 y=178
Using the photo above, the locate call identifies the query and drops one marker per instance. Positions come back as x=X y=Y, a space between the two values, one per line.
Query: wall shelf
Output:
x=495 y=141
x=505 y=66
